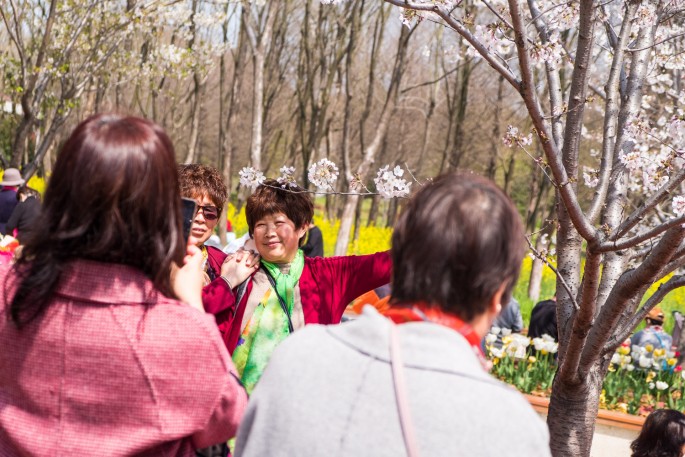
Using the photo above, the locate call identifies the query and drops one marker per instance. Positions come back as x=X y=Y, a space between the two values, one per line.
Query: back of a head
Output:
x=26 y=191
x=113 y=197
x=662 y=435
x=457 y=241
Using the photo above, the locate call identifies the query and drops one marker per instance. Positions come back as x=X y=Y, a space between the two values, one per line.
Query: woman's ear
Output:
x=495 y=305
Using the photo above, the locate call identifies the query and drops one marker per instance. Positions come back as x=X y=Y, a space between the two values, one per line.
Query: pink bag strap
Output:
x=401 y=393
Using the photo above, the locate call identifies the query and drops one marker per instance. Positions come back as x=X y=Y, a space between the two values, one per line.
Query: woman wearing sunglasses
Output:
x=205 y=185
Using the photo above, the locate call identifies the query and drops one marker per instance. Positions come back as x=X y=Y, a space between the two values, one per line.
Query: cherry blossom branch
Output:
x=553 y=79
x=673 y=37
x=578 y=91
x=612 y=100
x=566 y=191
x=639 y=214
x=463 y=31
x=639 y=238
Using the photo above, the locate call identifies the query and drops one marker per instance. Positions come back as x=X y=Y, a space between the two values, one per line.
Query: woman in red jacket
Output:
x=289 y=290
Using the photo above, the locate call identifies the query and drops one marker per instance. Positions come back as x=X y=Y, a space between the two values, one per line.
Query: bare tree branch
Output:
x=664 y=289
x=639 y=238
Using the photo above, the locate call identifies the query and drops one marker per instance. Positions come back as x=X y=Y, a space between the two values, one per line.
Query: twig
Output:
x=556 y=272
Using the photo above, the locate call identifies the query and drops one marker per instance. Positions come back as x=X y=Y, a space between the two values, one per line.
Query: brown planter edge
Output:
x=611 y=418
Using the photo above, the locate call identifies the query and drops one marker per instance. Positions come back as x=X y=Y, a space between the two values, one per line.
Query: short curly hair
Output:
x=272 y=197
x=197 y=180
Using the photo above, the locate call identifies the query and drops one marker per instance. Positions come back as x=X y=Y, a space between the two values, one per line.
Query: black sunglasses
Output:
x=210 y=212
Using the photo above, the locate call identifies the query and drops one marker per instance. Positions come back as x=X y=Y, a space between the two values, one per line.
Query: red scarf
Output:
x=423 y=312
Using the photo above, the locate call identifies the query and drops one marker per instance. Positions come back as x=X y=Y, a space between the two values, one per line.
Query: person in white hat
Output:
x=11 y=180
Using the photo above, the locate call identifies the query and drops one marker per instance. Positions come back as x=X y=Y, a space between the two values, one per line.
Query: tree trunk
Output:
x=372 y=149
x=573 y=412
x=458 y=145
x=357 y=219
x=195 y=123
x=373 y=211
x=496 y=134
x=346 y=224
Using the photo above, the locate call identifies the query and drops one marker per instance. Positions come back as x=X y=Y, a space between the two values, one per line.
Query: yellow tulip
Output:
x=649 y=348
x=671 y=362
x=623 y=350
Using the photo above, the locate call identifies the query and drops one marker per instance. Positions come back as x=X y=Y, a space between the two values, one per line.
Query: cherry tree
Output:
x=601 y=82
x=61 y=50
x=620 y=62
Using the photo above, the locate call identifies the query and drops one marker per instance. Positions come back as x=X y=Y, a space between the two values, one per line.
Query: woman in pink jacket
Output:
x=104 y=340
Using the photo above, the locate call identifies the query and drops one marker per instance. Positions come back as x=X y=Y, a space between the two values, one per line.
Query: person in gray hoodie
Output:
x=415 y=381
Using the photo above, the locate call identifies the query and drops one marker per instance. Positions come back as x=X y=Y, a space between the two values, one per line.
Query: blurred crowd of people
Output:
x=126 y=336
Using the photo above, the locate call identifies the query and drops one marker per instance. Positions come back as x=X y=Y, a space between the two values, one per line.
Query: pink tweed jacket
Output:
x=113 y=368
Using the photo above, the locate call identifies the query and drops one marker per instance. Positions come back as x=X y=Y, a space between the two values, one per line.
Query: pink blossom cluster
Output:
x=514 y=137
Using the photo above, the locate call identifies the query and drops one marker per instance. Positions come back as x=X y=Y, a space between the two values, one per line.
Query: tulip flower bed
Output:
x=640 y=379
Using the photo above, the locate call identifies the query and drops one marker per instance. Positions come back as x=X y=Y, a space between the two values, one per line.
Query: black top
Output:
x=314 y=245
x=543 y=320
x=8 y=201
x=23 y=217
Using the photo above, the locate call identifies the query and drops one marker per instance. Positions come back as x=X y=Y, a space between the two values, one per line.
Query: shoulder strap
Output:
x=401 y=396
x=284 y=307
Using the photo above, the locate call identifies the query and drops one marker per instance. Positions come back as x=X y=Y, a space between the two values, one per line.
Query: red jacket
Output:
x=327 y=286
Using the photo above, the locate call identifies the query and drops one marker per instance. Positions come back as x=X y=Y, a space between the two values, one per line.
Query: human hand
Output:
x=188 y=280
x=239 y=266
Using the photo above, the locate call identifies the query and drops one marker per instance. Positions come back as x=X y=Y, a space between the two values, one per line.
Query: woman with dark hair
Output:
x=25 y=213
x=101 y=344
x=662 y=435
x=289 y=290
x=353 y=389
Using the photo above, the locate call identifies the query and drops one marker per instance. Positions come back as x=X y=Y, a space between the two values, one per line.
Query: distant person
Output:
x=654 y=332
x=11 y=180
x=25 y=213
x=543 y=319
x=662 y=435
x=510 y=317
x=347 y=390
x=379 y=298
x=106 y=350
x=313 y=245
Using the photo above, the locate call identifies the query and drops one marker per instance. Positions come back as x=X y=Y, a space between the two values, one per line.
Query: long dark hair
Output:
x=663 y=435
x=113 y=197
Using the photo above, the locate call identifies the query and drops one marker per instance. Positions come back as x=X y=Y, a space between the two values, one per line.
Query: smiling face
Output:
x=202 y=227
x=277 y=239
